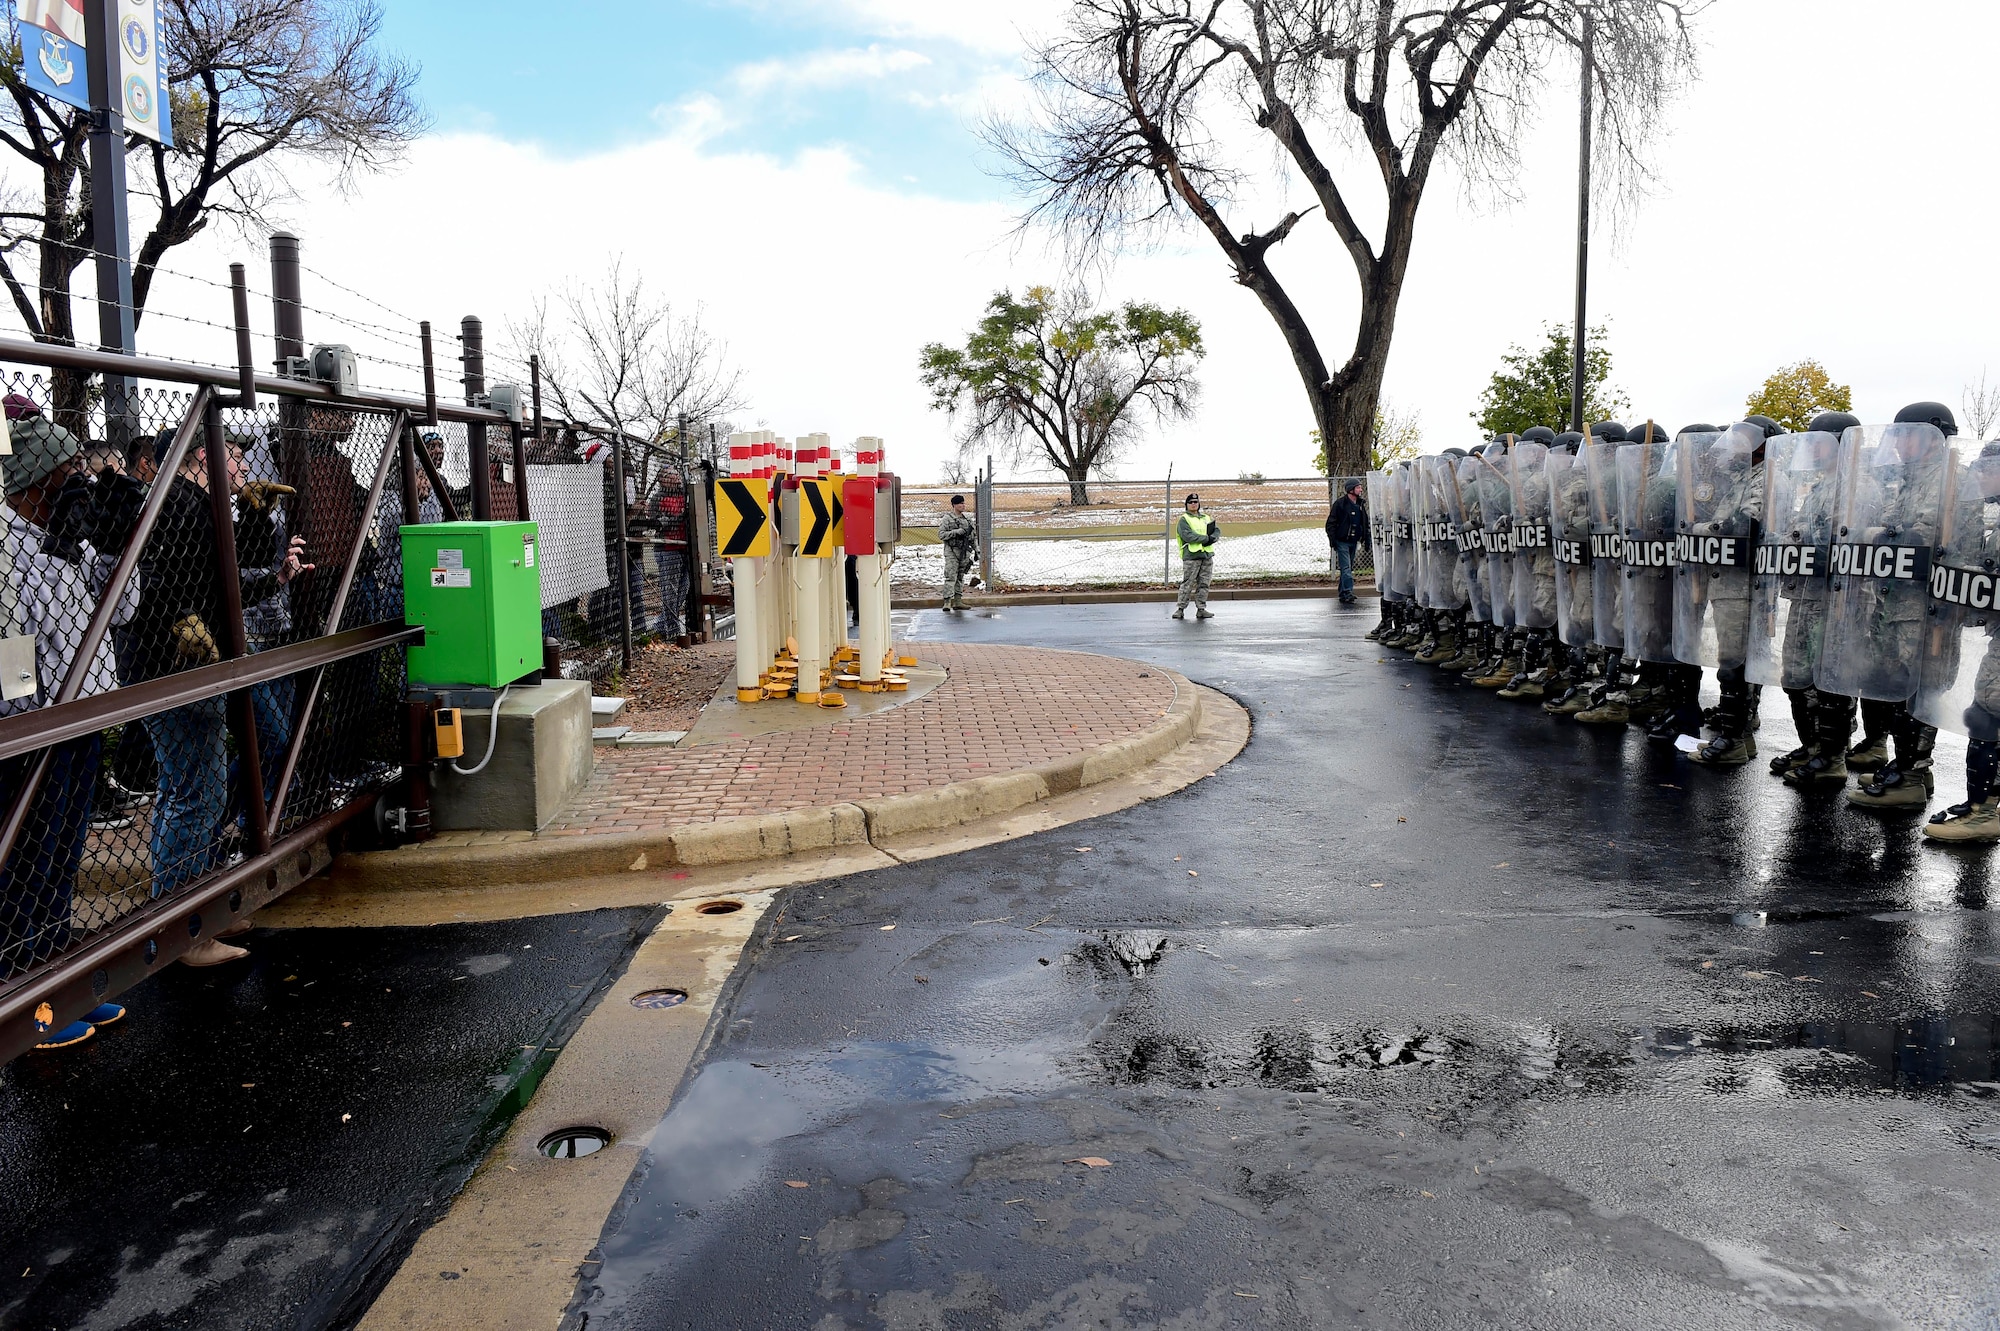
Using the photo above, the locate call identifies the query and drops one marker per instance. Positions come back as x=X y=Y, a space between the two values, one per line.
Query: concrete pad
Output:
x=651 y=739
x=603 y=711
x=541 y=759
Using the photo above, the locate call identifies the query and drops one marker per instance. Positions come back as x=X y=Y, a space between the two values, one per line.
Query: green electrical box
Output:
x=475 y=588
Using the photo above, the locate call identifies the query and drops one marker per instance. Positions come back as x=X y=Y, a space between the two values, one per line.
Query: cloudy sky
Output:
x=806 y=174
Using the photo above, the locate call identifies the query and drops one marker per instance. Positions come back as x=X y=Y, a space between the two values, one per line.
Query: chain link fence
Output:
x=258 y=550
x=1039 y=539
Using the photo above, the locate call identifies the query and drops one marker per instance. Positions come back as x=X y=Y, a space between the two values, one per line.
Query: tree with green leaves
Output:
x=1055 y=382
x=1534 y=386
x=1797 y=393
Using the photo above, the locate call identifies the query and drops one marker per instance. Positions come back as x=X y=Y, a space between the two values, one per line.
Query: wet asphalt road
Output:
x=1428 y=1011
x=257 y=1145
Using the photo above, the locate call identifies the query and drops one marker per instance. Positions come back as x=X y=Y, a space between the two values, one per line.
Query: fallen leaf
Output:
x=1707 y=965
x=1375 y=885
x=1094 y=1161
x=923 y=979
x=792 y=939
x=1177 y=859
x=345 y=1117
x=886 y=928
x=1665 y=786
x=248 y=1084
x=1083 y=850
x=290 y=978
x=796 y=1183
x=347 y=1023
x=1237 y=1292
x=1753 y=975
x=1867 y=994
x=1402 y=820
x=1433 y=1196
x=1501 y=865
x=1193 y=874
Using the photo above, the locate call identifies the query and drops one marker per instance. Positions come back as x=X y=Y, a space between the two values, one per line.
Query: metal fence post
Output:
x=624 y=552
x=472 y=336
x=1167 y=537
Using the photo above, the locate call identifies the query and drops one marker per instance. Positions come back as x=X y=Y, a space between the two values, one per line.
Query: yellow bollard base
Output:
x=847 y=681
x=873 y=686
x=750 y=695
x=906 y=660
x=803 y=696
x=832 y=699
x=896 y=685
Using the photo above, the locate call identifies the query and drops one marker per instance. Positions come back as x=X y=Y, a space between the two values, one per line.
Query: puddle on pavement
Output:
x=1799 y=1059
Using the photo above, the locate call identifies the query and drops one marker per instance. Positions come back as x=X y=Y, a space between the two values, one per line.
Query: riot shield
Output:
x=1402 y=538
x=1607 y=545
x=1888 y=515
x=1440 y=584
x=1788 y=568
x=1496 y=503
x=1719 y=490
x=1646 y=483
x=1569 y=545
x=1381 y=512
x=1534 y=561
x=1958 y=685
x=1469 y=519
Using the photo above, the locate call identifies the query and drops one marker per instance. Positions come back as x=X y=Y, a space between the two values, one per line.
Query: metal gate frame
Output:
x=122 y=954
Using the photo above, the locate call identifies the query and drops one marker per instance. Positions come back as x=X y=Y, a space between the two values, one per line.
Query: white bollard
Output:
x=871 y=575
x=808 y=597
x=743 y=577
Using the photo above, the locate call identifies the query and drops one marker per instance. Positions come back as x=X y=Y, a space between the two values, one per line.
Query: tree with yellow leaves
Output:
x=1797 y=393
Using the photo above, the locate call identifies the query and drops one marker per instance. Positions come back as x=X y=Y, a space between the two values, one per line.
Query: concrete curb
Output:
x=1129 y=596
x=774 y=835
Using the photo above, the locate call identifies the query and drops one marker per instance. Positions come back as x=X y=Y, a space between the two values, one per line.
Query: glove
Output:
x=194 y=645
x=71 y=517
x=119 y=499
x=262 y=496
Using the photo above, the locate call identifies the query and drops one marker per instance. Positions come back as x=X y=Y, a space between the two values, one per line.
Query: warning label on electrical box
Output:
x=528 y=551
x=451 y=577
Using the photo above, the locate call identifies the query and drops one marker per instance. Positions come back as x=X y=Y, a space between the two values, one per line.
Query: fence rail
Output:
x=1035 y=536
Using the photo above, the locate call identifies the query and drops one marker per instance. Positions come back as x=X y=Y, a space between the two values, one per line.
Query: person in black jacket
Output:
x=180 y=615
x=1346 y=528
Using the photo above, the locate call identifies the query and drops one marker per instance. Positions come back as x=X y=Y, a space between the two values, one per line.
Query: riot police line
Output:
x=1854 y=567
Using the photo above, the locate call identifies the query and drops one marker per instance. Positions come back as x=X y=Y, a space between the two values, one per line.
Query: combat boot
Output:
x=1576 y=698
x=1870 y=754
x=1503 y=670
x=1894 y=788
x=1463 y=657
x=1806 y=721
x=1441 y=649
x=1966 y=823
x=1523 y=685
x=1382 y=625
x=1608 y=711
x=1726 y=751
x=1818 y=772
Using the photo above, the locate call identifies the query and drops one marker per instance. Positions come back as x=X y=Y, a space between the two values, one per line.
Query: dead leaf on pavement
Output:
x=1374 y=884
x=1433 y=1196
x=796 y=1183
x=1083 y=850
x=1868 y=994
x=1402 y=820
x=1193 y=874
x=886 y=928
x=1707 y=965
x=1094 y=1161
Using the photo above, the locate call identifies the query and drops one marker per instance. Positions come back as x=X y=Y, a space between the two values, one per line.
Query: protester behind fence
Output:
x=260 y=525
x=1346 y=526
x=670 y=555
x=387 y=585
x=60 y=544
x=179 y=626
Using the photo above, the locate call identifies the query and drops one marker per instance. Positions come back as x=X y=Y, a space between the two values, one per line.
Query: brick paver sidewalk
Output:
x=999 y=710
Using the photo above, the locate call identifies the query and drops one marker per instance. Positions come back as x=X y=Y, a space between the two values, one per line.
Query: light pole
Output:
x=1576 y=421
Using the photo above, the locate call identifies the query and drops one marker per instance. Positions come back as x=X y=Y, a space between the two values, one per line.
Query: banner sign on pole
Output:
x=52 y=60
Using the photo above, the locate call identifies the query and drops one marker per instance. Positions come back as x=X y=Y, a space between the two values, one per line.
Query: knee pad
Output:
x=1981 y=725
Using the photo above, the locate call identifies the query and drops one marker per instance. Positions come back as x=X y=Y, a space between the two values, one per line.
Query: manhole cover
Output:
x=718 y=907
x=659 y=998
x=570 y=1143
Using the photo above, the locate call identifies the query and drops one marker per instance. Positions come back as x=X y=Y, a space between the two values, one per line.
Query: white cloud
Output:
x=819 y=70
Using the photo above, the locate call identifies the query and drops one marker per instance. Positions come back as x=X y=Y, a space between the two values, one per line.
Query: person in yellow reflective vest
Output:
x=1197 y=533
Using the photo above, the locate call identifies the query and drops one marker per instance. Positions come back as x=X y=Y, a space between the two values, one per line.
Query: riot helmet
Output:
x=1453 y=452
x=1648 y=433
x=1538 y=434
x=1766 y=424
x=1569 y=439
x=1610 y=432
x=1833 y=422
x=1699 y=427
x=1929 y=413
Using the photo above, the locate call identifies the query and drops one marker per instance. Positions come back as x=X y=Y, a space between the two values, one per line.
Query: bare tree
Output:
x=1982 y=405
x=615 y=356
x=1055 y=382
x=1131 y=133
x=255 y=88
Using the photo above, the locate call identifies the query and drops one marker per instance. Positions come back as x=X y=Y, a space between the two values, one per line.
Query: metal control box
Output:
x=476 y=589
x=889 y=510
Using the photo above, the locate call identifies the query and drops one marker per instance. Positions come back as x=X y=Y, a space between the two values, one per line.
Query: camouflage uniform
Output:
x=960 y=537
